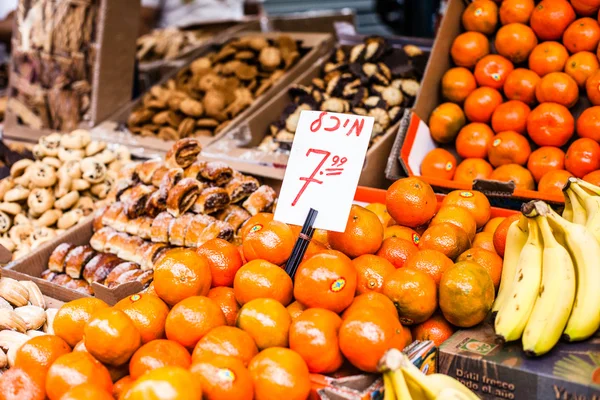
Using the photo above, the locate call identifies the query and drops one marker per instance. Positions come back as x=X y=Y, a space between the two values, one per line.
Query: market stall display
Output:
x=168 y=44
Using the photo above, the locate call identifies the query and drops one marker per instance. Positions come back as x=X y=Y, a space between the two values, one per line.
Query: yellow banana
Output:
x=417 y=382
x=452 y=394
x=444 y=381
x=591 y=188
x=388 y=387
x=591 y=205
x=568 y=210
x=579 y=214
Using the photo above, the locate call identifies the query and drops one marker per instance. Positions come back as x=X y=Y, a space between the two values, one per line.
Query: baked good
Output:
x=136 y=203
x=149 y=254
x=144 y=277
x=134 y=226
x=99 y=238
x=217 y=172
x=79 y=285
x=159 y=175
x=183 y=153
x=76 y=260
x=241 y=186
x=193 y=171
x=121 y=222
x=127 y=250
x=118 y=270
x=115 y=242
x=109 y=217
x=204 y=228
x=234 y=215
x=61 y=279
x=48 y=275
x=145 y=171
x=182 y=196
x=160 y=228
x=178 y=228
x=155 y=204
x=98 y=268
x=56 y=262
x=98 y=216
x=261 y=200
x=170 y=178
x=145 y=228
x=210 y=200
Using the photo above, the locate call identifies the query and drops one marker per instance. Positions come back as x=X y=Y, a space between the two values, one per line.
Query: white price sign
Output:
x=324 y=167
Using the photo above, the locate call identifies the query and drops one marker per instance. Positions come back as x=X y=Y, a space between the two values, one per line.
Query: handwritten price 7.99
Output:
x=335 y=169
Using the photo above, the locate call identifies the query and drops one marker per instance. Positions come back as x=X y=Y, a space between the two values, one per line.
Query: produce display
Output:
x=203 y=98
x=70 y=177
x=168 y=44
x=520 y=110
x=360 y=80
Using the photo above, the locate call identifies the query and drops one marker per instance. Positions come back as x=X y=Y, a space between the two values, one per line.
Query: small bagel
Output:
x=67 y=201
x=42 y=175
x=69 y=219
x=65 y=155
x=10 y=208
x=50 y=144
x=94 y=148
x=5 y=222
x=73 y=168
x=19 y=167
x=48 y=218
x=80 y=185
x=18 y=193
x=40 y=200
x=52 y=161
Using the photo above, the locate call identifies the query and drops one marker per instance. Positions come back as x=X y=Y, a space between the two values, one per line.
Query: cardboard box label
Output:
x=325 y=163
x=477 y=347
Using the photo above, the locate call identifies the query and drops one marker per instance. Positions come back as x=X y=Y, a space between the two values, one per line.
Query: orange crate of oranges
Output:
x=511 y=94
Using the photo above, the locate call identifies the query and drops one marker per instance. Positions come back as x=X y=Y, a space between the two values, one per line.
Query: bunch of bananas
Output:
x=404 y=381
x=549 y=287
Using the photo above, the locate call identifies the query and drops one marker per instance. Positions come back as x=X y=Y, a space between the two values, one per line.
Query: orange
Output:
x=489 y=260
x=272 y=241
x=436 y=329
x=397 y=251
x=484 y=240
x=87 y=391
x=557 y=87
x=407 y=336
x=295 y=309
x=260 y=278
x=511 y=116
x=226 y=341
x=439 y=163
x=148 y=313
x=548 y=57
x=363 y=234
x=73 y=369
x=445 y=121
x=266 y=321
x=521 y=177
x=471 y=169
x=191 y=319
x=545 y=159
x=466 y=294
x=381 y=211
x=111 y=337
x=72 y=316
x=516 y=11
x=38 y=354
x=446 y=238
x=371 y=273
x=431 y=262
x=474 y=201
x=366 y=335
x=18 y=384
x=156 y=354
x=181 y=273
x=122 y=386
x=371 y=301
x=326 y=280
x=592 y=88
x=515 y=41
x=553 y=182
x=472 y=141
x=501 y=232
x=468 y=48
x=481 y=104
x=583 y=157
x=174 y=383
x=492 y=71
x=458 y=216
x=279 y=373
x=509 y=148
x=224 y=297
x=457 y=84
x=413 y=292
x=224 y=260
x=582 y=35
x=580 y=66
x=256 y=222
x=550 y=124
x=493 y=224
x=223 y=378
x=314 y=335
x=411 y=202
x=401 y=232
x=593 y=178
x=585 y=7
x=588 y=124
x=550 y=19
x=481 y=16
x=520 y=85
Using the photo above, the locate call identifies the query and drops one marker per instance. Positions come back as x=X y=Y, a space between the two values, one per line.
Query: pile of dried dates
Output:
x=370 y=78
x=203 y=98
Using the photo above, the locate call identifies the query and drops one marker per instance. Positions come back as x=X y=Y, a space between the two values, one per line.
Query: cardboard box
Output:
x=414 y=140
x=238 y=146
x=111 y=77
x=115 y=130
x=494 y=371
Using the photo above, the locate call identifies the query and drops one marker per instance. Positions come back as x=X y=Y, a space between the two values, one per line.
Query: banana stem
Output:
x=529 y=209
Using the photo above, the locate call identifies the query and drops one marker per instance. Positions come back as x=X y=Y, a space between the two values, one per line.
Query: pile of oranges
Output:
x=227 y=322
x=518 y=99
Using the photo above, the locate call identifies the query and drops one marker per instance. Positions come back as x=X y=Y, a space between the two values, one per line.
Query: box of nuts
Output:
x=216 y=91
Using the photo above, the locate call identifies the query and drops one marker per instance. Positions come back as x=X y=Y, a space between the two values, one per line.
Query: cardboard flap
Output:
x=5 y=255
x=113 y=295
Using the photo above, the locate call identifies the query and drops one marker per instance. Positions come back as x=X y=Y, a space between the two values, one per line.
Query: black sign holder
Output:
x=302 y=243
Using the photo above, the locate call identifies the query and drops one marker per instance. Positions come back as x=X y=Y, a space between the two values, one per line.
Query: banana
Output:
x=592 y=207
x=568 y=210
x=400 y=386
x=555 y=301
x=515 y=240
x=585 y=252
x=579 y=214
x=36 y=298
x=516 y=309
x=388 y=387
x=452 y=394
x=444 y=381
x=591 y=188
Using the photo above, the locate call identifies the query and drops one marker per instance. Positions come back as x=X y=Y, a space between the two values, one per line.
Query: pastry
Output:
x=136 y=203
x=183 y=153
x=160 y=228
x=121 y=221
x=116 y=242
x=145 y=228
x=261 y=200
x=56 y=262
x=76 y=260
x=149 y=253
x=93 y=170
x=234 y=215
x=155 y=204
x=118 y=270
x=79 y=285
x=217 y=172
x=158 y=175
x=129 y=248
x=98 y=268
x=98 y=216
x=193 y=171
x=204 y=228
x=241 y=187
x=145 y=171
x=112 y=212
x=182 y=196
x=210 y=200
x=178 y=228
x=134 y=225
x=48 y=275
x=144 y=277
x=169 y=179
x=100 y=238
x=61 y=279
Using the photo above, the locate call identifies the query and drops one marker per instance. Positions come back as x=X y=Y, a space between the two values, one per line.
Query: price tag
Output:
x=325 y=163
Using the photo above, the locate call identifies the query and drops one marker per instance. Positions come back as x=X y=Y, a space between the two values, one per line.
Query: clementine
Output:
x=226 y=341
x=474 y=201
x=73 y=369
x=18 y=384
x=267 y=321
x=593 y=178
x=493 y=224
x=509 y=148
x=411 y=201
x=223 y=259
x=481 y=16
x=382 y=213
x=371 y=273
x=548 y=57
x=148 y=313
x=550 y=124
x=484 y=240
x=492 y=71
x=588 y=123
x=489 y=260
x=515 y=41
x=553 y=182
x=557 y=87
x=191 y=319
x=515 y=173
x=439 y=163
x=458 y=216
x=511 y=116
x=545 y=159
x=371 y=301
x=223 y=377
x=295 y=309
x=224 y=297
x=414 y=293
x=436 y=329
x=38 y=353
x=471 y=169
x=397 y=251
x=175 y=382
x=582 y=35
x=261 y=279
x=272 y=241
x=472 y=142
x=468 y=48
x=72 y=317
x=158 y=353
x=580 y=66
x=457 y=84
x=501 y=232
x=550 y=18
x=481 y=104
x=583 y=157
x=402 y=232
x=363 y=234
x=431 y=262
x=445 y=121
x=520 y=85
x=516 y=11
